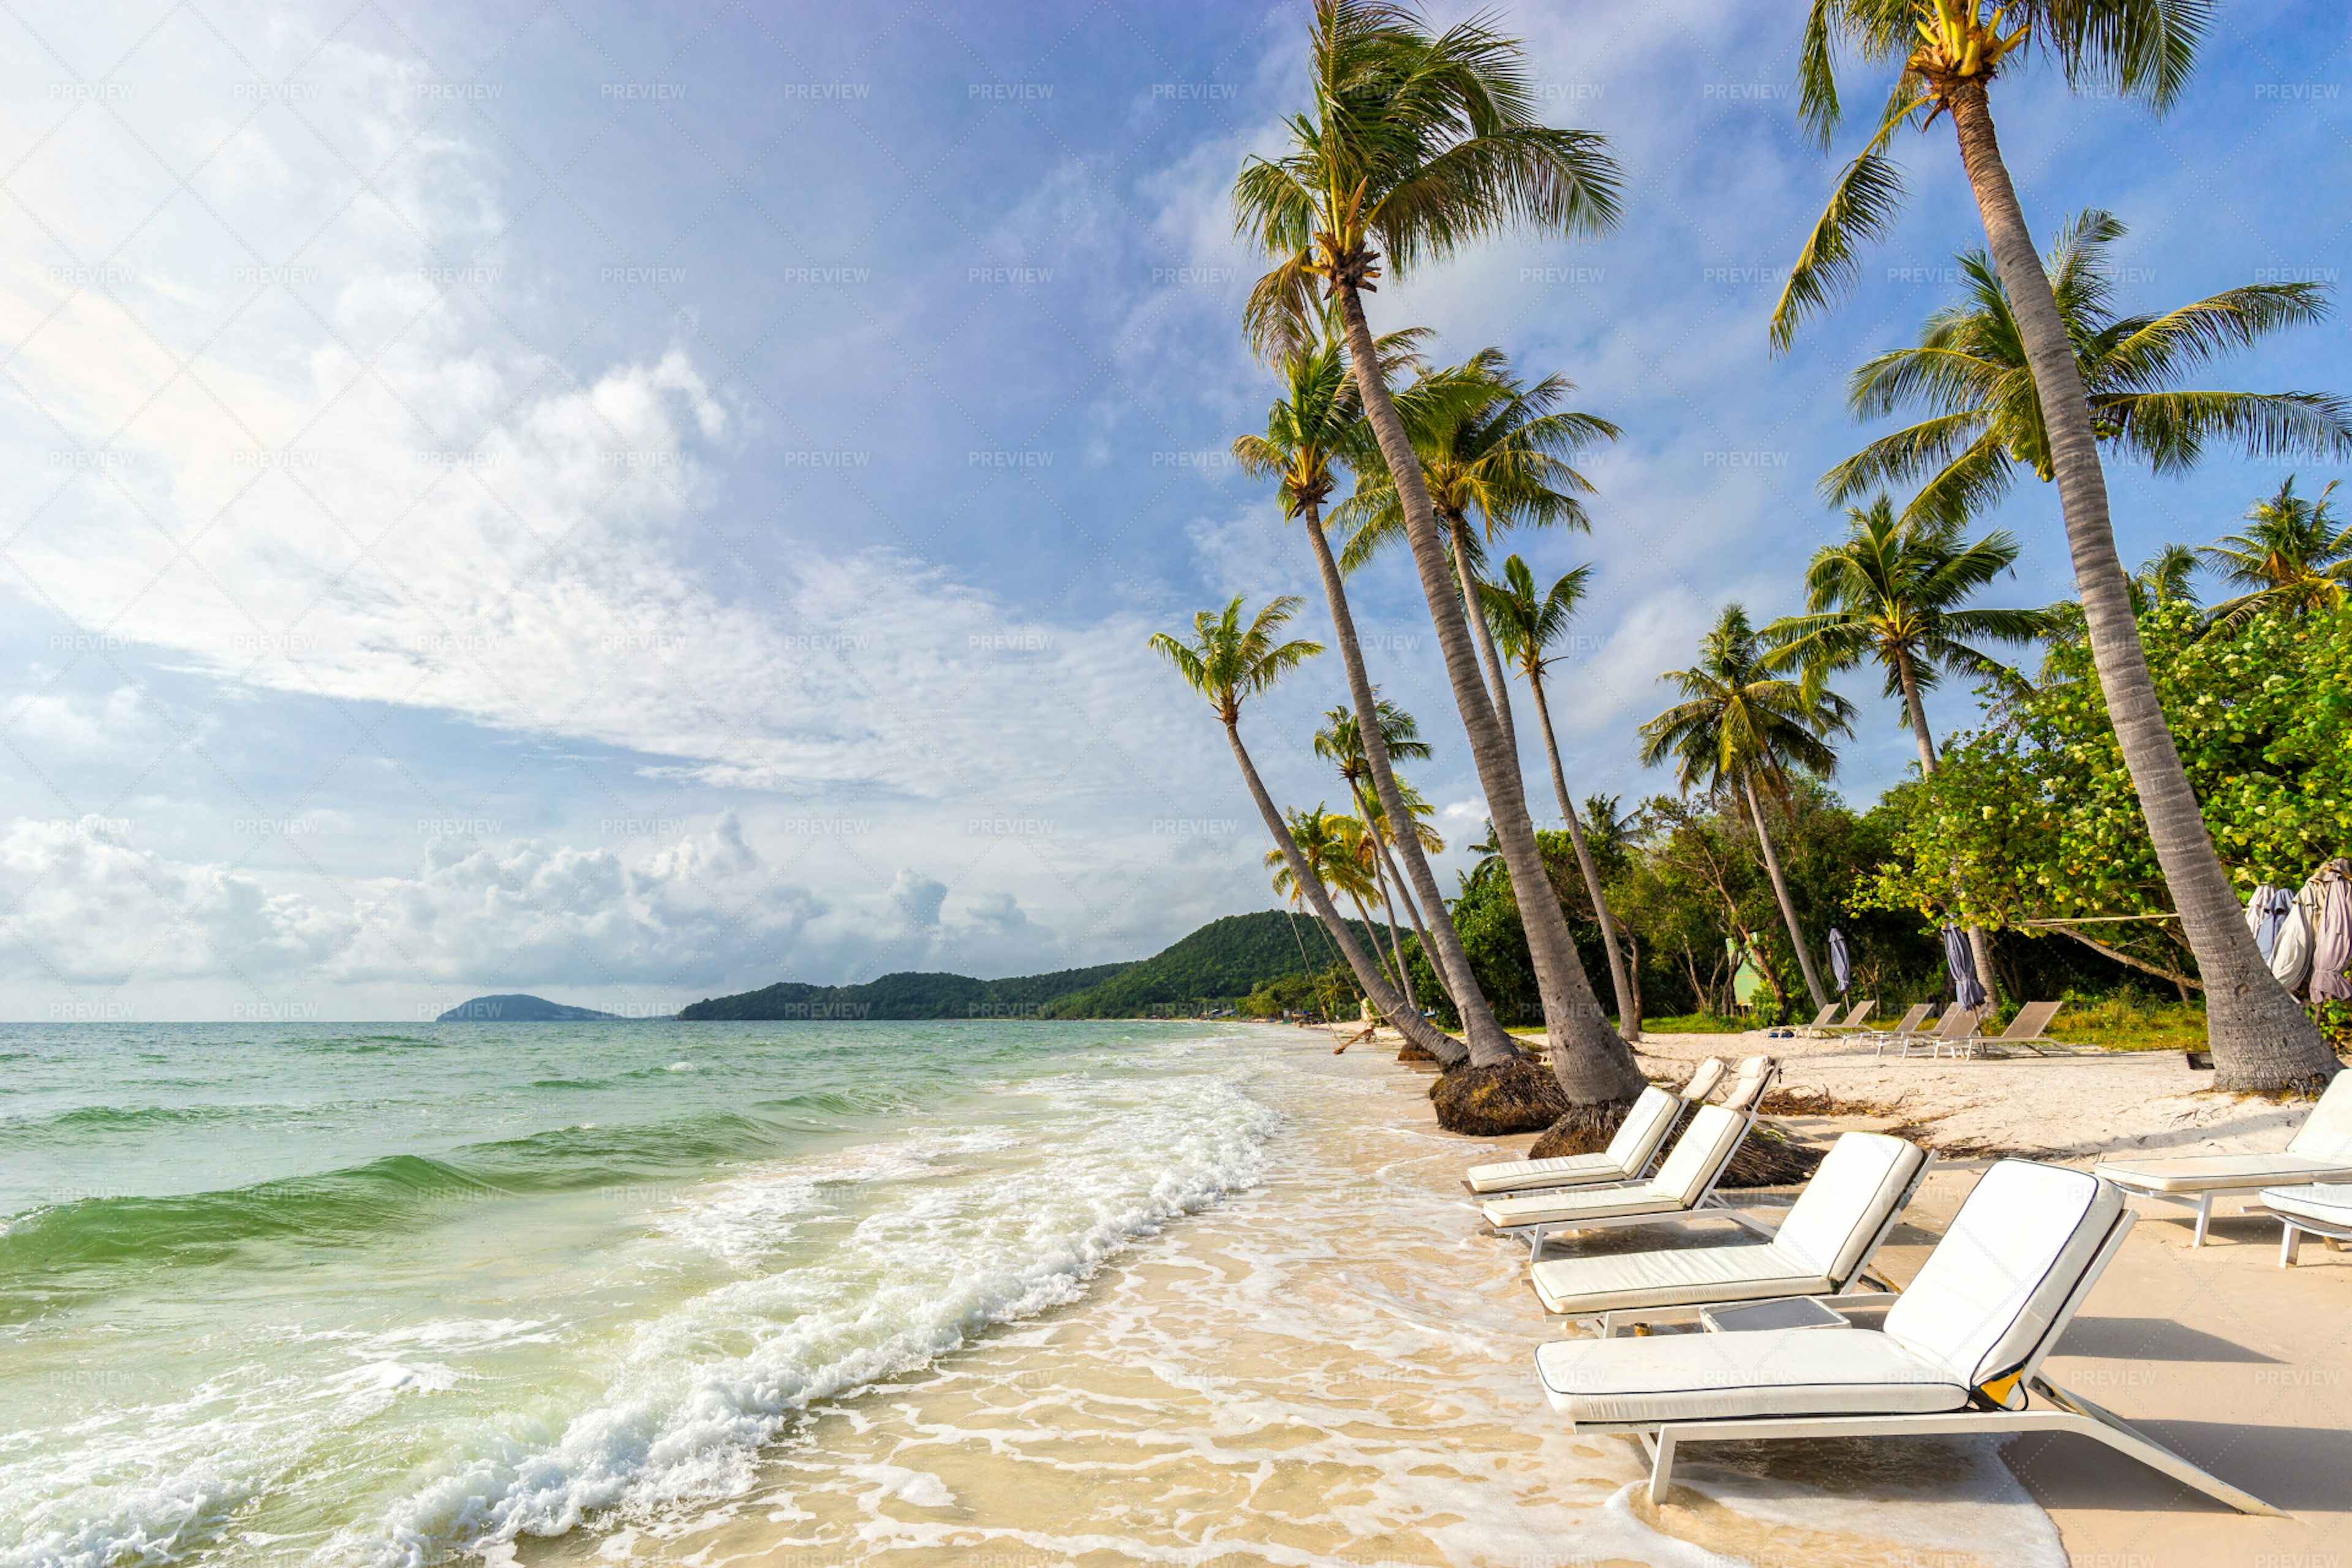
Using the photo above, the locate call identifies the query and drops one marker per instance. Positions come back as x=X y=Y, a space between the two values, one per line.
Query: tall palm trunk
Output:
x=1444 y=1047
x=1590 y=1061
x=1485 y=636
x=1412 y=915
x=2261 y=1036
x=1487 y=1042
x=1788 y=905
x=1629 y=1001
x=1979 y=951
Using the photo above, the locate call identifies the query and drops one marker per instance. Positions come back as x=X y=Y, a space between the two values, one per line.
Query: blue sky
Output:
x=548 y=498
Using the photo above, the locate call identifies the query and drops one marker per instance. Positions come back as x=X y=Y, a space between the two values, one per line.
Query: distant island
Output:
x=1211 y=969
x=520 y=1009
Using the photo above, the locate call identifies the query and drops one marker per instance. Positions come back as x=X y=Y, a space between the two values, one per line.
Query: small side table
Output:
x=1789 y=1313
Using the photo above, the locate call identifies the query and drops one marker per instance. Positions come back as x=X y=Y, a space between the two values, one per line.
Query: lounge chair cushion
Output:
x=2326 y=1132
x=2215 y=1173
x=1638 y=1137
x=1700 y=1154
x=1787 y=1372
x=2007 y=1272
x=1572 y=1205
x=2329 y=1202
x=1860 y=1182
x=1687 y=1277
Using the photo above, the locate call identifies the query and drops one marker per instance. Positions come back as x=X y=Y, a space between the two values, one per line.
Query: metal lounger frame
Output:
x=2299 y=1225
x=2073 y=1414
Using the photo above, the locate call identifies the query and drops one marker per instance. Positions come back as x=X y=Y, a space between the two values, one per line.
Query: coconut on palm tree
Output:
x=1528 y=626
x=1968 y=375
x=1315 y=425
x=1947 y=54
x=1228 y=663
x=1415 y=145
x=1741 y=729
x=2294 y=558
x=1895 y=592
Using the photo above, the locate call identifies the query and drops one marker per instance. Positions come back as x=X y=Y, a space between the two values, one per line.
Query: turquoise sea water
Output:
x=375 y=1294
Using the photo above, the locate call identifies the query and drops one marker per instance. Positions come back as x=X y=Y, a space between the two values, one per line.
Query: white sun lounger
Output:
x=1952 y=1029
x=1628 y=1156
x=1684 y=1186
x=1823 y=1248
x=2321 y=1149
x=1960 y=1351
x=1820 y=1020
x=2323 y=1209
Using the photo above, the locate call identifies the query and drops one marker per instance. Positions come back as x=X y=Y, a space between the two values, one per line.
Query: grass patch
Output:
x=2129 y=1023
x=1698 y=1023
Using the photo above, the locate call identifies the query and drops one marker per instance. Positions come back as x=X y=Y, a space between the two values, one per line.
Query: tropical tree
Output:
x=1495 y=454
x=1340 y=743
x=1228 y=663
x=2168 y=575
x=1950 y=52
x=2294 y=558
x=1313 y=426
x=1414 y=146
x=1740 y=726
x=1896 y=592
x=1331 y=844
x=1969 y=374
x=1528 y=626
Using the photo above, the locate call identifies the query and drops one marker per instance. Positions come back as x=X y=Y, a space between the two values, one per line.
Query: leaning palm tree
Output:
x=1896 y=592
x=1496 y=455
x=1308 y=430
x=1528 y=626
x=1228 y=663
x=1950 y=52
x=2293 y=559
x=1340 y=742
x=1742 y=730
x=1416 y=146
x=1969 y=375
x=1330 y=844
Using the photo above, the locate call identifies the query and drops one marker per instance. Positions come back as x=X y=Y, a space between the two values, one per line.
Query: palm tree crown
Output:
x=1738 y=723
x=2294 y=557
x=1330 y=843
x=1527 y=625
x=1493 y=449
x=1227 y=662
x=2132 y=49
x=1969 y=374
x=1416 y=146
x=1895 y=590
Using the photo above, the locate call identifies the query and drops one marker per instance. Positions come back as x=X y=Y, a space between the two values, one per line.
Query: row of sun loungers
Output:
x=1959 y=1352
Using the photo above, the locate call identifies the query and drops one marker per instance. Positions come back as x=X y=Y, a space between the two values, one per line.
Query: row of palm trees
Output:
x=1419 y=143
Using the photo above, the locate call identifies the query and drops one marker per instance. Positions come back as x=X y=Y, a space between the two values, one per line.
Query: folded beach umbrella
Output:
x=2331 y=932
x=1840 y=961
x=2282 y=931
x=1967 y=989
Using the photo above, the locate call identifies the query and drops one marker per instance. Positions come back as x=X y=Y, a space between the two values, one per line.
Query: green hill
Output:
x=903 y=995
x=1217 y=964
x=1220 y=963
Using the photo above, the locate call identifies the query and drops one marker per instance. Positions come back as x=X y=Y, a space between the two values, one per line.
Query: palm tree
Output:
x=1416 y=146
x=1739 y=726
x=1950 y=52
x=2294 y=558
x=1331 y=844
x=1228 y=663
x=1315 y=425
x=1340 y=743
x=1495 y=454
x=1895 y=591
x=2167 y=574
x=1527 y=626
x=1970 y=374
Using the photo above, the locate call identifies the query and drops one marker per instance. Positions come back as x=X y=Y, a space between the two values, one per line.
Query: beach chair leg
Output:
x=2107 y=1427
x=2290 y=1243
x=2204 y=1218
x=1662 y=1463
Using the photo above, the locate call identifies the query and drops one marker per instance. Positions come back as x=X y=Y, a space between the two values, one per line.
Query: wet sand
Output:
x=1332 y=1368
